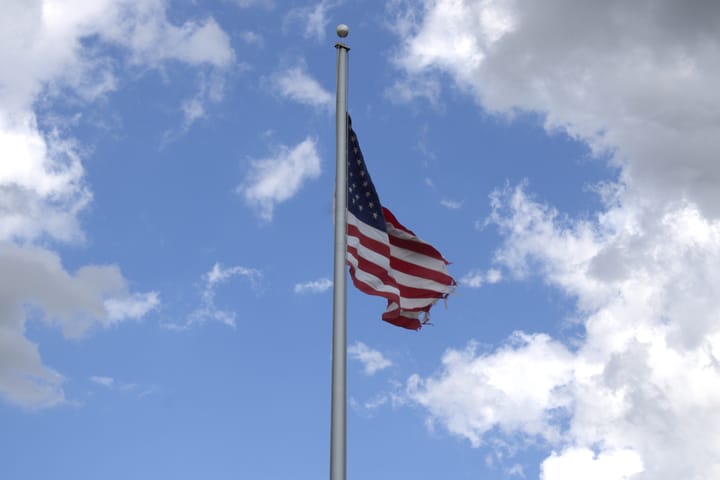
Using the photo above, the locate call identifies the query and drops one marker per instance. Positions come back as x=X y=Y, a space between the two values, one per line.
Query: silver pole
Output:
x=338 y=408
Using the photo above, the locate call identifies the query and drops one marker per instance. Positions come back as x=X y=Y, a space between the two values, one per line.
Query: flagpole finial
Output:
x=342 y=30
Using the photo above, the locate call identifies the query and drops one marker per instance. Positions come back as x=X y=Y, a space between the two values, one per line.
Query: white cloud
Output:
x=38 y=287
x=269 y=4
x=295 y=84
x=373 y=361
x=475 y=393
x=477 y=278
x=42 y=186
x=313 y=18
x=614 y=465
x=135 y=306
x=52 y=48
x=252 y=38
x=208 y=311
x=314 y=286
x=639 y=394
x=277 y=179
x=450 y=204
x=211 y=90
x=411 y=88
x=104 y=381
x=597 y=71
x=122 y=387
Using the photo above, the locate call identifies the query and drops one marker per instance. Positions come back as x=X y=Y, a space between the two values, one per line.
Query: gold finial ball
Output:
x=342 y=30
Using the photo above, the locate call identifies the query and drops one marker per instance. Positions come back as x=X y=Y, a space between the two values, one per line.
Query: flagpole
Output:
x=338 y=408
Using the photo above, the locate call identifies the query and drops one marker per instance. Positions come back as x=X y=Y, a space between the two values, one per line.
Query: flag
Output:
x=385 y=258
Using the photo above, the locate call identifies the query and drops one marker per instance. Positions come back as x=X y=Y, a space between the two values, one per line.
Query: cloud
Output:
x=211 y=90
x=42 y=187
x=409 y=89
x=295 y=84
x=104 y=381
x=477 y=279
x=596 y=71
x=450 y=204
x=314 y=286
x=268 y=4
x=314 y=18
x=136 y=305
x=41 y=182
x=112 y=384
x=208 y=311
x=57 y=50
x=615 y=465
x=252 y=38
x=372 y=360
x=37 y=286
x=277 y=179
x=639 y=393
x=475 y=393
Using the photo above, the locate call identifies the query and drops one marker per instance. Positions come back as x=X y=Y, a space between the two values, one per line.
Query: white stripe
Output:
x=398 y=252
x=405 y=279
x=419 y=259
x=368 y=254
x=396 y=232
x=368 y=230
x=392 y=306
x=376 y=284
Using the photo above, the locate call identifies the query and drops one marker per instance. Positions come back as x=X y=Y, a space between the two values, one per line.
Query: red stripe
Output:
x=419 y=252
x=390 y=218
x=374 y=245
x=365 y=288
x=396 y=263
x=404 y=322
x=417 y=246
x=387 y=279
x=420 y=271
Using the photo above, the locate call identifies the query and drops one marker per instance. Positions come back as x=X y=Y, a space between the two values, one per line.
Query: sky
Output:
x=166 y=184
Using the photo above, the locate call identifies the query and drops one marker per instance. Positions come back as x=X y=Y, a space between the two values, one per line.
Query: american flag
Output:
x=387 y=259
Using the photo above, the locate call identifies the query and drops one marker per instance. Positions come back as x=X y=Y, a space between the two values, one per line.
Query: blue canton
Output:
x=363 y=201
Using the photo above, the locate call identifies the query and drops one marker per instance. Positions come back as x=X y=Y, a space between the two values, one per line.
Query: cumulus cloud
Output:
x=639 y=394
x=475 y=393
x=634 y=81
x=36 y=286
x=55 y=50
x=373 y=361
x=614 y=465
x=278 y=178
x=42 y=184
x=314 y=286
x=296 y=84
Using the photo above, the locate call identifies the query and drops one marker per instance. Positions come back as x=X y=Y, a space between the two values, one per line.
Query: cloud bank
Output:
x=55 y=48
x=637 y=395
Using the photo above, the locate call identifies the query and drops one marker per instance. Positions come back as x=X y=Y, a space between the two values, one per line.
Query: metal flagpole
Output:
x=338 y=409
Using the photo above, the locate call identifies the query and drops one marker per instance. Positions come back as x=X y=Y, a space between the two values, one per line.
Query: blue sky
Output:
x=166 y=182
